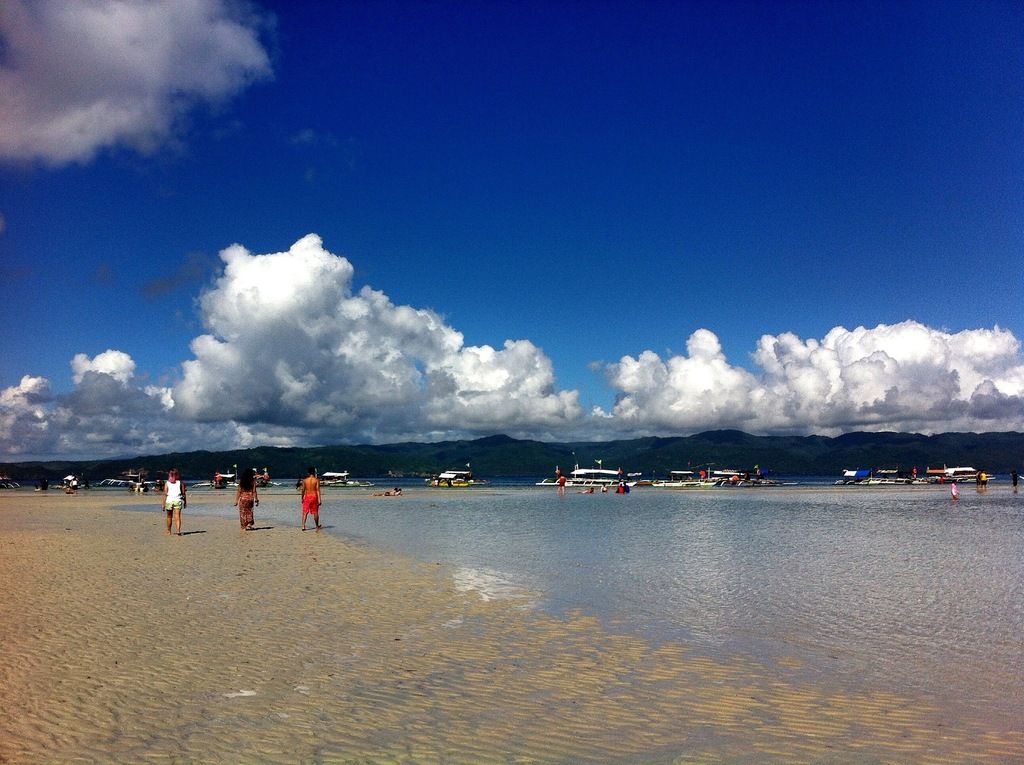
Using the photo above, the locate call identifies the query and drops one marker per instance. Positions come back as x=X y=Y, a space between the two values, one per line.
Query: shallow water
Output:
x=897 y=589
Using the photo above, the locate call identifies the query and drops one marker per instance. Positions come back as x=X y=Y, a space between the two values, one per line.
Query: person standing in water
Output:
x=175 y=499
x=311 y=498
x=246 y=497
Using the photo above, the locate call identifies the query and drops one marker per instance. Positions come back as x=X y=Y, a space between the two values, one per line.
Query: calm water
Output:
x=881 y=588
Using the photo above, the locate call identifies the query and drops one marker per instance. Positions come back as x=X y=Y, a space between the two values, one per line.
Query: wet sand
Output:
x=120 y=643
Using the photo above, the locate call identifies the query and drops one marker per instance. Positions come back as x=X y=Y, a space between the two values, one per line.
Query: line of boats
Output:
x=580 y=478
x=708 y=478
x=138 y=480
x=896 y=477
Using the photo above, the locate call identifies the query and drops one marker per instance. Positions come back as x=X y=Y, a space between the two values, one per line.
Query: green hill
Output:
x=503 y=456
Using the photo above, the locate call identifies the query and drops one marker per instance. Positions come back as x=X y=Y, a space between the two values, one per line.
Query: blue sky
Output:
x=635 y=195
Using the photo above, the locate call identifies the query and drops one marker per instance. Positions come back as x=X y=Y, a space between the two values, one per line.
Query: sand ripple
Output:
x=122 y=644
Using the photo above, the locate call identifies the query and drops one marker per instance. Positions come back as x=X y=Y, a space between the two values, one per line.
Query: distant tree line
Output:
x=503 y=456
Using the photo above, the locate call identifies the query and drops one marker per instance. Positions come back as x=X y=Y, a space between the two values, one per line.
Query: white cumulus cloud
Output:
x=294 y=354
x=290 y=342
x=108 y=413
x=118 y=364
x=903 y=376
x=80 y=76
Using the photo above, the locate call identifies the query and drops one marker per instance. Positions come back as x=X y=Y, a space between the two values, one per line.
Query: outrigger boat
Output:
x=263 y=479
x=744 y=478
x=220 y=481
x=335 y=480
x=455 y=479
x=224 y=480
x=853 y=477
x=593 y=477
x=882 y=477
x=890 y=477
x=706 y=479
x=953 y=475
x=133 y=480
x=683 y=479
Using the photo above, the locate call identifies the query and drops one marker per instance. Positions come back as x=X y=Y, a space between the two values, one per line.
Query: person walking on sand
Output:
x=175 y=499
x=246 y=497
x=311 y=498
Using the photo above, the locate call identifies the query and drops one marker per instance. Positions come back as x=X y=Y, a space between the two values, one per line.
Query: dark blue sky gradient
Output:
x=599 y=178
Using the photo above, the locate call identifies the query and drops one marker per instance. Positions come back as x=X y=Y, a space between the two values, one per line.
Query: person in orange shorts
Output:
x=311 y=498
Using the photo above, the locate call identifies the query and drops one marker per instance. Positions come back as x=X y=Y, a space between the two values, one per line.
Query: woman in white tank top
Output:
x=174 y=499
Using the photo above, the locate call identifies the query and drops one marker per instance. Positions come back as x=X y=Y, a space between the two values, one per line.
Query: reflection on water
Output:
x=883 y=588
x=895 y=588
x=488 y=584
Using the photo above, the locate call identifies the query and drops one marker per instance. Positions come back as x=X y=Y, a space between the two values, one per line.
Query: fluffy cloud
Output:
x=293 y=354
x=24 y=426
x=117 y=364
x=80 y=76
x=894 y=377
x=102 y=408
x=108 y=413
x=290 y=343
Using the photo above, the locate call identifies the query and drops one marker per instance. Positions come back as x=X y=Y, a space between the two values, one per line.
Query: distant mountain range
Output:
x=503 y=456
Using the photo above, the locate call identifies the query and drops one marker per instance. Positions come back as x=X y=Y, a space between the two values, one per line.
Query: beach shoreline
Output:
x=123 y=644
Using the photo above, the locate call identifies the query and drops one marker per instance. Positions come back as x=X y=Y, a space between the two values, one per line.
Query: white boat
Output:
x=223 y=480
x=263 y=478
x=727 y=477
x=954 y=475
x=125 y=483
x=455 y=479
x=853 y=477
x=889 y=477
x=683 y=479
x=220 y=481
x=71 y=484
x=593 y=477
x=340 y=480
x=133 y=480
x=880 y=477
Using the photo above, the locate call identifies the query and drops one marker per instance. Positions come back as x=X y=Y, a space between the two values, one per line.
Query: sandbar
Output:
x=122 y=644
